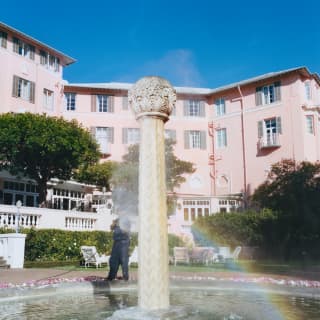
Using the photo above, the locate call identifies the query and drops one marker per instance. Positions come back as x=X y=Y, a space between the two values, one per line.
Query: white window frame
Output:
x=307 y=90
x=103 y=103
x=48 y=98
x=104 y=138
x=310 y=124
x=70 y=101
x=194 y=108
x=24 y=87
x=220 y=107
x=221 y=138
x=23 y=49
x=49 y=61
x=133 y=135
x=194 y=139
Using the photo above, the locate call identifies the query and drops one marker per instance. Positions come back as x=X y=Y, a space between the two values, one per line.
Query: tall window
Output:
x=48 y=99
x=102 y=103
x=23 y=48
x=104 y=136
x=195 y=139
x=220 y=107
x=310 y=124
x=268 y=94
x=70 y=101
x=307 y=88
x=23 y=88
x=268 y=132
x=130 y=135
x=221 y=138
x=194 y=108
x=3 y=39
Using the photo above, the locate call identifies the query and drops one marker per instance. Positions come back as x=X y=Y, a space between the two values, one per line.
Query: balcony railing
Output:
x=269 y=141
x=43 y=218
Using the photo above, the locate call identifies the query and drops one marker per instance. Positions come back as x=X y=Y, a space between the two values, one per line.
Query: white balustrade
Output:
x=43 y=218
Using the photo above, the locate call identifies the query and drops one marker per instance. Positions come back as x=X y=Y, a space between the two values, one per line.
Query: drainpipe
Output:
x=243 y=151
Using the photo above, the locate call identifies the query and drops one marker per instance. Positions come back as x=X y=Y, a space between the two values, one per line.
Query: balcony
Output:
x=269 y=141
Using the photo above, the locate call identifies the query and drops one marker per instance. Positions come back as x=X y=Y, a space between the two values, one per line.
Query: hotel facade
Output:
x=232 y=134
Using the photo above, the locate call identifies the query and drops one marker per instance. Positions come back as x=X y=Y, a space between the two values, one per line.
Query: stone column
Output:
x=152 y=100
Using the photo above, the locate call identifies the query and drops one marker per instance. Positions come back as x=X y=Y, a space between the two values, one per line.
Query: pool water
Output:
x=190 y=304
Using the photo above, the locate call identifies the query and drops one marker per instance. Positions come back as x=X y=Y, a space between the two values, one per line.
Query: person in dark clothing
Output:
x=120 y=252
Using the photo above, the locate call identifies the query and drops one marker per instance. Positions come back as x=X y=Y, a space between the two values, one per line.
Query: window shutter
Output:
x=15 y=86
x=124 y=135
x=32 y=91
x=260 y=129
x=259 y=96
x=32 y=50
x=16 y=45
x=111 y=103
x=203 y=143
x=186 y=108
x=111 y=135
x=279 y=127
x=125 y=103
x=186 y=140
x=202 y=109
x=3 y=38
x=93 y=103
x=277 y=93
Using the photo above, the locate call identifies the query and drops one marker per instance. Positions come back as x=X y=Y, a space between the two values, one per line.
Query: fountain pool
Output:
x=189 y=300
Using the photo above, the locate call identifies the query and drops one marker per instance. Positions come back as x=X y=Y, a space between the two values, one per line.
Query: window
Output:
x=194 y=108
x=268 y=132
x=310 y=124
x=268 y=94
x=170 y=134
x=307 y=88
x=23 y=88
x=221 y=138
x=70 y=101
x=23 y=48
x=49 y=61
x=130 y=135
x=48 y=99
x=104 y=136
x=194 y=139
x=102 y=103
x=220 y=107
x=3 y=39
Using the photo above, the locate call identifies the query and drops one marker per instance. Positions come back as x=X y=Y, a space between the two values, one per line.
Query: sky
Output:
x=195 y=43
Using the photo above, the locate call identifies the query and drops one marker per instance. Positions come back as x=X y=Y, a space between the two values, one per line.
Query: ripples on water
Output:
x=194 y=305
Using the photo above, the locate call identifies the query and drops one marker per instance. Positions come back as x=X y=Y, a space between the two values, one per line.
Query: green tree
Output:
x=292 y=189
x=41 y=147
x=98 y=174
x=127 y=173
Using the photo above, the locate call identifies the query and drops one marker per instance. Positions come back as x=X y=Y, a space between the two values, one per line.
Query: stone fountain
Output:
x=152 y=100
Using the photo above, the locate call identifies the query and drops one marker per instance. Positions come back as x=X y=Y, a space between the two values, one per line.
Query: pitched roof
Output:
x=65 y=59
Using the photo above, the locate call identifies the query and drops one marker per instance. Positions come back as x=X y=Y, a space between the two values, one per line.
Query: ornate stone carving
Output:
x=152 y=96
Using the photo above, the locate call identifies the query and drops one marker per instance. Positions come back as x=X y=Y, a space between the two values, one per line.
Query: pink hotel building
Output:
x=233 y=134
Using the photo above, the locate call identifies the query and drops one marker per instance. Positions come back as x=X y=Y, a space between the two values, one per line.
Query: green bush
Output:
x=52 y=245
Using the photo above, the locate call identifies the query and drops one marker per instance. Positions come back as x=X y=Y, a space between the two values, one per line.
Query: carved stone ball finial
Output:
x=153 y=96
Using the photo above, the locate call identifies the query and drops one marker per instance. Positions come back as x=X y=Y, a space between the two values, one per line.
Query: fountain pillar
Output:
x=152 y=100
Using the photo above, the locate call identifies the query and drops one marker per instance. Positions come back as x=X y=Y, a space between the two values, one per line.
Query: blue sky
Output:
x=199 y=43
